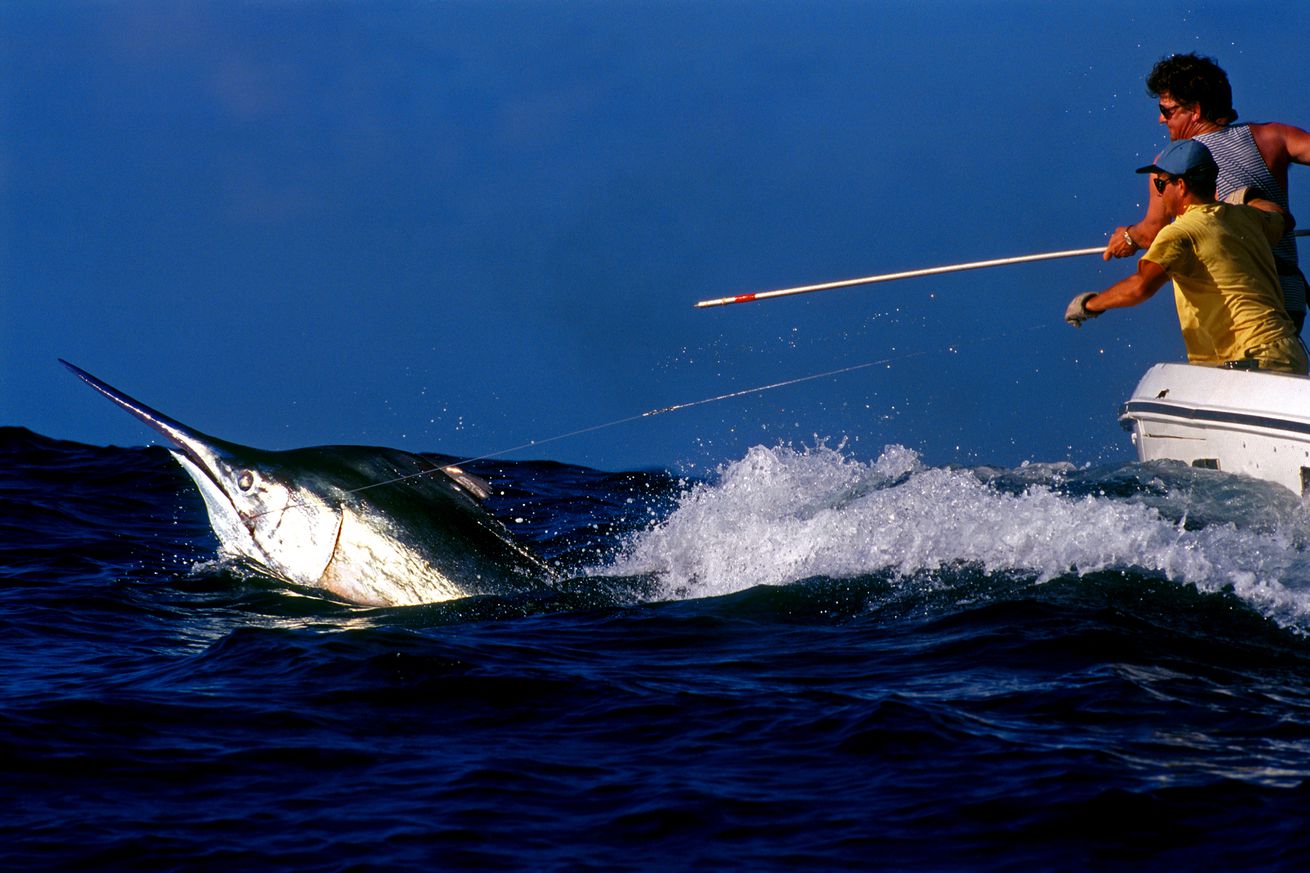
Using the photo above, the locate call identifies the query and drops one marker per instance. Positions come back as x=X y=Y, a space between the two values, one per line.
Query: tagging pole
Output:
x=892 y=277
x=910 y=274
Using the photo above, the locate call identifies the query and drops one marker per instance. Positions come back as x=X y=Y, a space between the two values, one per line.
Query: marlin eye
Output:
x=246 y=480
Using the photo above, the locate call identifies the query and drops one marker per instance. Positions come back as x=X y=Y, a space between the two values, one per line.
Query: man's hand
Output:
x=1077 y=311
x=1120 y=245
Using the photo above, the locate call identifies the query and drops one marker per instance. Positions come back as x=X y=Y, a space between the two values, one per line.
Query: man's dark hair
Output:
x=1202 y=184
x=1194 y=81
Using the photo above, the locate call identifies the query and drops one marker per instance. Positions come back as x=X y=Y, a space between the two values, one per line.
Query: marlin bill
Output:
x=374 y=526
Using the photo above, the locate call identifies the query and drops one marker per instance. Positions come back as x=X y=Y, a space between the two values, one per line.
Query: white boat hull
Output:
x=1256 y=423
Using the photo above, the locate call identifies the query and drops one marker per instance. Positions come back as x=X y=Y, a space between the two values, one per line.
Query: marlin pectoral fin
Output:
x=479 y=488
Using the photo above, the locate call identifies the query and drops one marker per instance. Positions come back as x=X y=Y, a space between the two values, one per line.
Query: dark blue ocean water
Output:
x=806 y=661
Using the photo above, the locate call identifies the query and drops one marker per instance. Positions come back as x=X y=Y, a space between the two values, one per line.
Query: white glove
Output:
x=1077 y=312
x=1241 y=196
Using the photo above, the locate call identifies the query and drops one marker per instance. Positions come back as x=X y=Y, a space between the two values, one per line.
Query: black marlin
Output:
x=300 y=516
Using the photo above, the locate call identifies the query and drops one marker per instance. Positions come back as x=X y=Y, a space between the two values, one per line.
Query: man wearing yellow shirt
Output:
x=1230 y=305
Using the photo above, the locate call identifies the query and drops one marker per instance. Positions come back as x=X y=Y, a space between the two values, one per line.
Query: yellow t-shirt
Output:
x=1225 y=283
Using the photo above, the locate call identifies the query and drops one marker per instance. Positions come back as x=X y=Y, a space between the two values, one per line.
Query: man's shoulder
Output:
x=1275 y=134
x=1231 y=218
x=1195 y=217
x=1201 y=218
x=1172 y=240
x=1269 y=127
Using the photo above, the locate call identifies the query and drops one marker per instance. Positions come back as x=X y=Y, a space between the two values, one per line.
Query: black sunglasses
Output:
x=1160 y=183
x=1167 y=112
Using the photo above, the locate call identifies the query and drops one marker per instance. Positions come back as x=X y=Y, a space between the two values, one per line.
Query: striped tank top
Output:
x=1241 y=165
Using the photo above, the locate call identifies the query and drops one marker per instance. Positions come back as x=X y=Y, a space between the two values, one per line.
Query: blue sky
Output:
x=464 y=227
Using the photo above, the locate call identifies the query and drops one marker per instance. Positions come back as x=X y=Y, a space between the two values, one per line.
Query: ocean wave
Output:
x=780 y=514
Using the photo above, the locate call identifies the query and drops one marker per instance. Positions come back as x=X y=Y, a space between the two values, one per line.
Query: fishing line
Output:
x=759 y=389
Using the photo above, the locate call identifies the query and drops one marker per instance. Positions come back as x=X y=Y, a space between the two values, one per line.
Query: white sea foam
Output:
x=779 y=515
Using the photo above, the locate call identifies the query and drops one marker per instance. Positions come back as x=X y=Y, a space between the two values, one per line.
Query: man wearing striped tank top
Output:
x=1196 y=102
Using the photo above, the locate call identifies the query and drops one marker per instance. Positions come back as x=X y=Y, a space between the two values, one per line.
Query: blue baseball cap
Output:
x=1185 y=157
